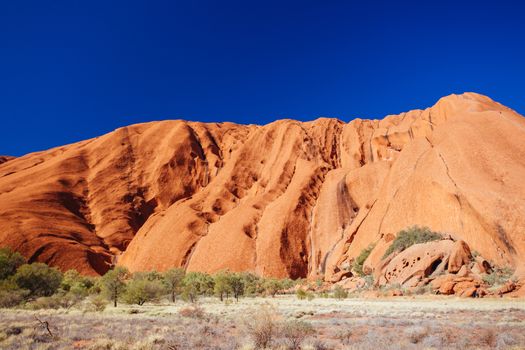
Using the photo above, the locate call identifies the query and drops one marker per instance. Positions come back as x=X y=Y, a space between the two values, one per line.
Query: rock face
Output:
x=417 y=262
x=285 y=199
x=4 y=159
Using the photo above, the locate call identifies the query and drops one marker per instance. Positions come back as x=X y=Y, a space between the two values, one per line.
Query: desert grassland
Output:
x=393 y=323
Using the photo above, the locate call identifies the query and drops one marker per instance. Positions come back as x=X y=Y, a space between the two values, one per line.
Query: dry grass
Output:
x=401 y=323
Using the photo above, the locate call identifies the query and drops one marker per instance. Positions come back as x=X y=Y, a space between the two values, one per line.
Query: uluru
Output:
x=286 y=199
x=247 y=175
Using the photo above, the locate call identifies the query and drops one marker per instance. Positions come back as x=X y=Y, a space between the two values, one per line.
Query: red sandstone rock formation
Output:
x=285 y=199
x=4 y=159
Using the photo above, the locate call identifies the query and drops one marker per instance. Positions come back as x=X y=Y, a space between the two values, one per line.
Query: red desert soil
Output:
x=284 y=199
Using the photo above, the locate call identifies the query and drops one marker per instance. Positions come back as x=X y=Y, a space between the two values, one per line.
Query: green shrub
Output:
x=340 y=293
x=287 y=283
x=173 y=281
x=323 y=295
x=10 y=294
x=360 y=260
x=498 y=276
x=46 y=303
x=142 y=289
x=12 y=298
x=272 y=286
x=195 y=284
x=222 y=285
x=97 y=303
x=253 y=284
x=237 y=285
x=59 y=300
x=410 y=236
x=113 y=283
x=301 y=294
x=38 y=278
x=76 y=286
x=9 y=262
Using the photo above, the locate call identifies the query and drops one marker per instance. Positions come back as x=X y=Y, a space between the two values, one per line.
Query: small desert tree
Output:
x=173 y=281
x=222 y=286
x=76 y=283
x=113 y=283
x=38 y=278
x=9 y=262
x=237 y=285
x=272 y=286
x=141 y=289
x=263 y=326
x=252 y=283
x=195 y=284
x=295 y=332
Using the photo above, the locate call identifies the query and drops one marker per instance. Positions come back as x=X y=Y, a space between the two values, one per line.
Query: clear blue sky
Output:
x=71 y=70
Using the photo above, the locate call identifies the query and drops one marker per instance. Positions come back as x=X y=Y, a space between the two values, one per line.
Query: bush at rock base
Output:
x=410 y=236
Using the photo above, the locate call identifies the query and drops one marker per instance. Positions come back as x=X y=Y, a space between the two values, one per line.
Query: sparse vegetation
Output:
x=280 y=322
x=173 y=280
x=11 y=295
x=498 y=276
x=360 y=260
x=340 y=293
x=194 y=311
x=196 y=284
x=237 y=285
x=272 y=286
x=416 y=334
x=143 y=288
x=38 y=286
x=9 y=262
x=304 y=294
x=410 y=236
x=97 y=303
x=39 y=279
x=415 y=323
x=113 y=284
x=344 y=336
x=262 y=327
x=295 y=332
x=369 y=281
x=222 y=286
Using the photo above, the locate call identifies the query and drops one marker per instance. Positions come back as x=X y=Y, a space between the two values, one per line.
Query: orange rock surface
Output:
x=298 y=199
x=4 y=159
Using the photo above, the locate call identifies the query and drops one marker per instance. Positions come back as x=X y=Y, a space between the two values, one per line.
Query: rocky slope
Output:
x=4 y=159
x=285 y=199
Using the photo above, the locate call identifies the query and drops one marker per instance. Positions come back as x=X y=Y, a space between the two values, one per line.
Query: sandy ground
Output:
x=397 y=323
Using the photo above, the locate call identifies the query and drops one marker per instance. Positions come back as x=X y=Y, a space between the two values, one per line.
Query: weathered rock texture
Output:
x=4 y=159
x=285 y=199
